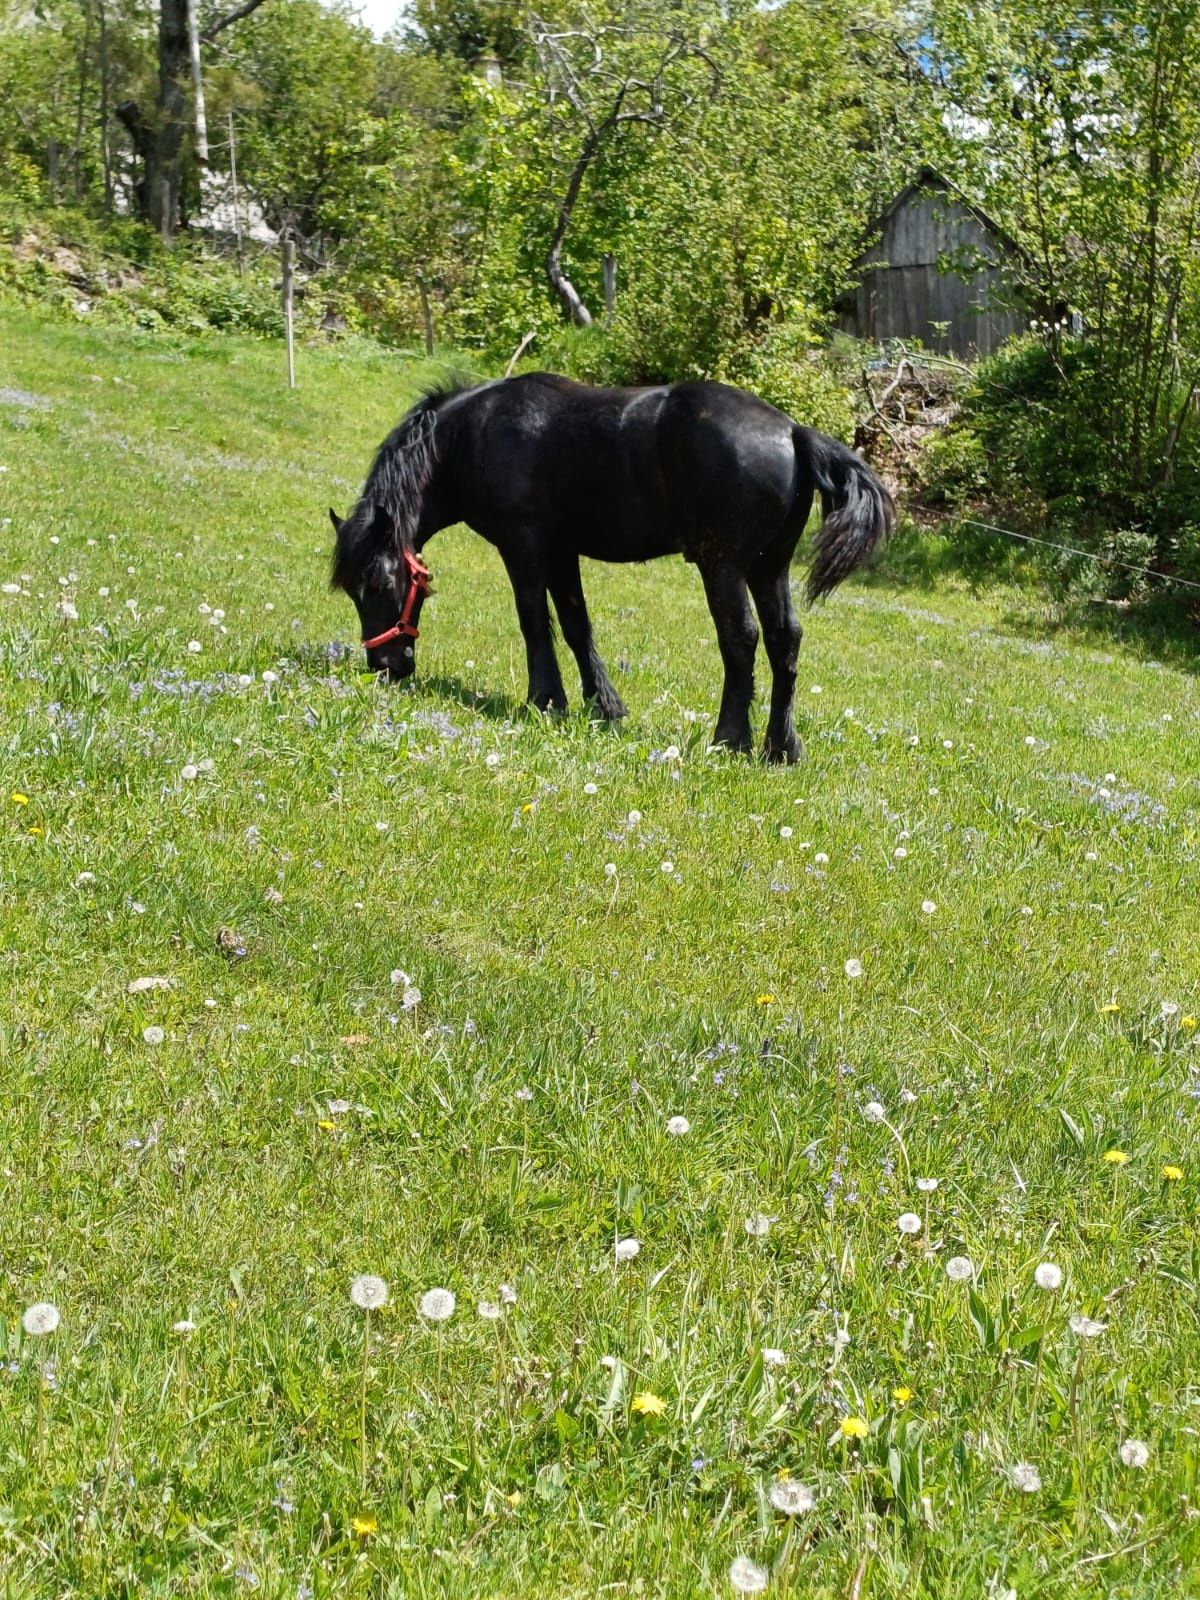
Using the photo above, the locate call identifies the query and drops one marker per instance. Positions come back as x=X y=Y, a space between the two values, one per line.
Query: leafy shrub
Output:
x=1029 y=442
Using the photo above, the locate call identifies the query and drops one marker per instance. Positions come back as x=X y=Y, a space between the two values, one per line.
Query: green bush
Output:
x=1028 y=444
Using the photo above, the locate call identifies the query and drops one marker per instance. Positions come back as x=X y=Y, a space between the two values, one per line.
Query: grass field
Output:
x=607 y=930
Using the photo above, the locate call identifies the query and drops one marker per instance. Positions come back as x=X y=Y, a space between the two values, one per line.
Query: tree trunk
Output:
x=568 y=295
x=198 y=85
x=129 y=115
x=174 y=66
x=105 y=151
x=84 y=51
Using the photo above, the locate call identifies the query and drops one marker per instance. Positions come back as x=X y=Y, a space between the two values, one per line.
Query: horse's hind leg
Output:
x=546 y=690
x=781 y=636
x=567 y=591
x=737 y=635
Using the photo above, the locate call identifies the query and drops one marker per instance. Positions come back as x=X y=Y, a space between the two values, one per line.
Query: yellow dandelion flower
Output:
x=1116 y=1158
x=854 y=1428
x=1173 y=1174
x=37 y=832
x=514 y=1499
x=365 y=1524
x=326 y=1125
x=649 y=1405
x=902 y=1394
x=1188 y=1022
x=526 y=809
x=20 y=799
x=1112 y=1009
x=764 y=999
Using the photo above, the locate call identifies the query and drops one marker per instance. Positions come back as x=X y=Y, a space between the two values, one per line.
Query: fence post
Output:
x=610 y=287
x=426 y=315
x=289 y=269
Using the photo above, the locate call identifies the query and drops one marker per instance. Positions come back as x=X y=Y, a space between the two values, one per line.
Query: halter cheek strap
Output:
x=418 y=588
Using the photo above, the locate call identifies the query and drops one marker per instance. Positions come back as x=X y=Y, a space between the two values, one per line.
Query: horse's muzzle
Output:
x=395 y=663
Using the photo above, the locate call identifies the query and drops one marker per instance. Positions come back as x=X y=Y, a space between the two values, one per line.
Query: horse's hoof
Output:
x=611 y=708
x=788 y=754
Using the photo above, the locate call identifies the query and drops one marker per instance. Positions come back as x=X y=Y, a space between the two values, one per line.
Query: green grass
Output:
x=512 y=1125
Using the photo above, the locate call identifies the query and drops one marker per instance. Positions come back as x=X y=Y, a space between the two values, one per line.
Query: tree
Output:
x=159 y=141
x=601 y=82
x=1080 y=130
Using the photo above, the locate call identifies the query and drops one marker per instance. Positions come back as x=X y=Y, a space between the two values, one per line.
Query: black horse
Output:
x=548 y=470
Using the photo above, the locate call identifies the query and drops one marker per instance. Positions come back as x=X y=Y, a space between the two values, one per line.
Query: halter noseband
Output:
x=418 y=588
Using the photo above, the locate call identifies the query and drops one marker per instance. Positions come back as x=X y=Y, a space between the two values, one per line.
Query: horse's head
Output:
x=387 y=582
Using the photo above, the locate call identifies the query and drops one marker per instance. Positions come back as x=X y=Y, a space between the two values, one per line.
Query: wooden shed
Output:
x=935 y=270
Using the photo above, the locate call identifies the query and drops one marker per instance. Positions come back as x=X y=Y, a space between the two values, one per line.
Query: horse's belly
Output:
x=615 y=543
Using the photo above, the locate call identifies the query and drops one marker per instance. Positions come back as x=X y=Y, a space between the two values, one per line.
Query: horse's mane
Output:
x=399 y=476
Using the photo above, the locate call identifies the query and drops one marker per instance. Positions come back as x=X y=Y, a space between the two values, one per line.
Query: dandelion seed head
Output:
x=746 y=1576
x=909 y=1222
x=790 y=1498
x=927 y=1185
x=1023 y=1475
x=153 y=1034
x=677 y=1126
x=1086 y=1327
x=437 y=1305
x=184 y=1326
x=853 y=968
x=1134 y=1453
x=626 y=1249
x=928 y=907
x=1047 y=1275
x=489 y=1310
x=773 y=1358
x=960 y=1268
x=369 y=1292
x=40 y=1319
x=758 y=1224
x=873 y=1111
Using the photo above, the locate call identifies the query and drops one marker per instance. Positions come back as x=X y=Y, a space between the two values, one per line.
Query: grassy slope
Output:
x=205 y=1177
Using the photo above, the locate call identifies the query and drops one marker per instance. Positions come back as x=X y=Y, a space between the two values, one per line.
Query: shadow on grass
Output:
x=488 y=703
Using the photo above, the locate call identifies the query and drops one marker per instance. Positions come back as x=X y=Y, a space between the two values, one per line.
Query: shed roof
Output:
x=929 y=180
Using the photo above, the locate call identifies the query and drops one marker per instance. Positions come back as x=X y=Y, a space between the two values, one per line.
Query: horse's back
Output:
x=627 y=474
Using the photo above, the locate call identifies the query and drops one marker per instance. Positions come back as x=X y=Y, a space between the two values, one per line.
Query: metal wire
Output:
x=1088 y=555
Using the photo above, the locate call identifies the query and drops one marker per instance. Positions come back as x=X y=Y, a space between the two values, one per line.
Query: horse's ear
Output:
x=336 y=520
x=383 y=528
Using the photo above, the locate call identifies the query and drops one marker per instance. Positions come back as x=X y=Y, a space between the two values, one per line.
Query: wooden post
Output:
x=426 y=315
x=610 y=287
x=289 y=267
x=197 y=85
x=237 y=215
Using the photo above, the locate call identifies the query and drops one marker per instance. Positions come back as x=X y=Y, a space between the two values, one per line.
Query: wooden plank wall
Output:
x=902 y=294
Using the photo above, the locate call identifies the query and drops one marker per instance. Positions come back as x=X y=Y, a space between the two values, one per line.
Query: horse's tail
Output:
x=859 y=511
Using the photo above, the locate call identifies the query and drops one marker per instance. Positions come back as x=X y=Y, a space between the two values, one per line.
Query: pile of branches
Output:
x=909 y=395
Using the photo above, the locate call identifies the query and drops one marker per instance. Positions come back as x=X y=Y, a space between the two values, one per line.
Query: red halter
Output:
x=418 y=588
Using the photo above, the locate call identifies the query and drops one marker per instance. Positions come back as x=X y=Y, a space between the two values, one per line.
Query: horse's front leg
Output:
x=528 y=579
x=737 y=636
x=567 y=591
